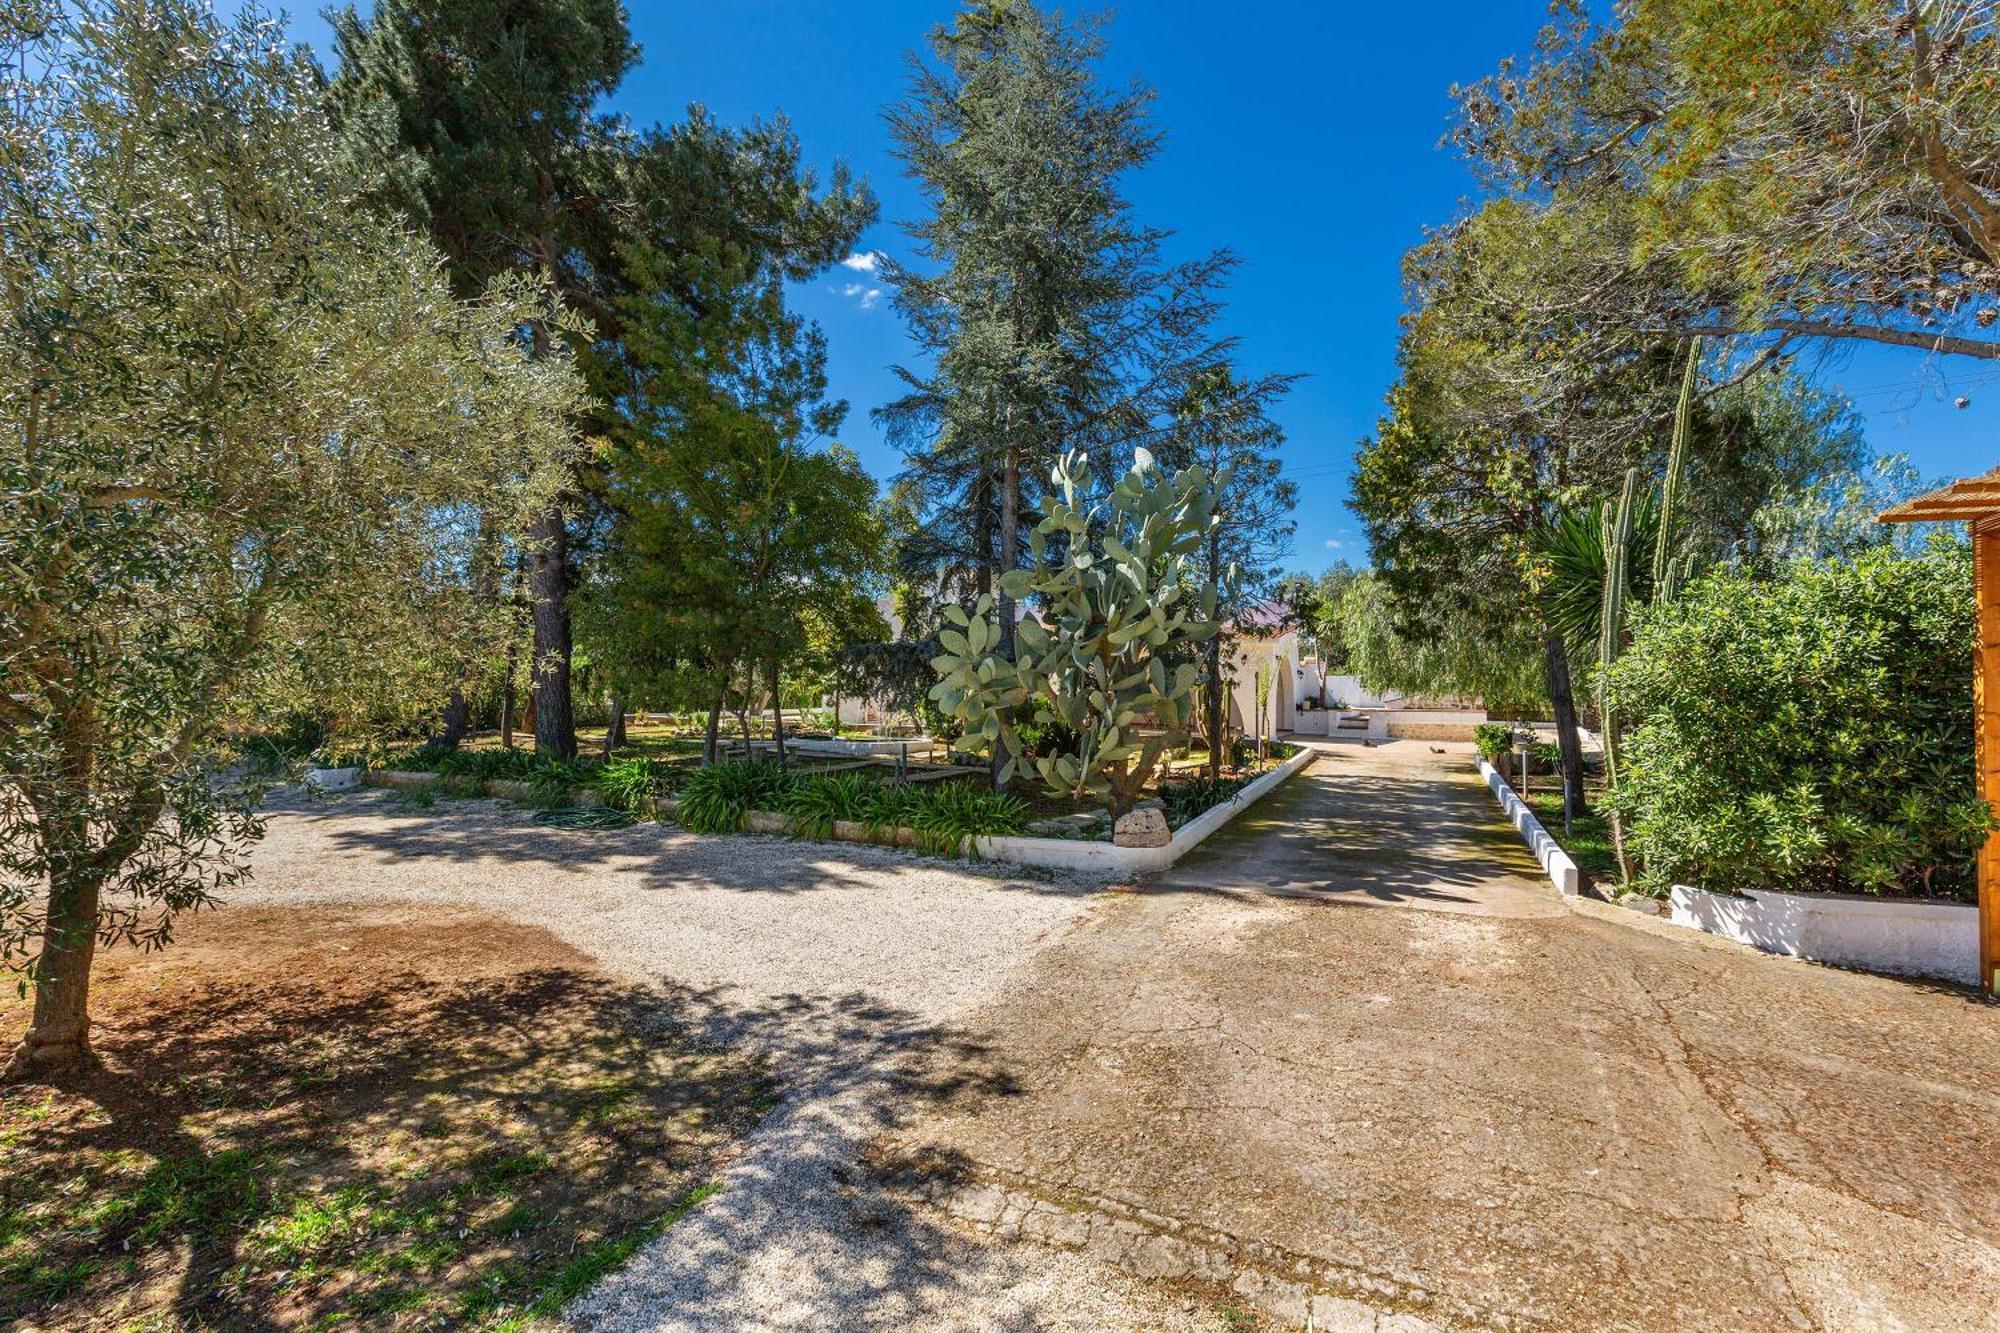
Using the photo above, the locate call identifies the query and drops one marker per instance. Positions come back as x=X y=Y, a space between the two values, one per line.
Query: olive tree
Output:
x=1112 y=656
x=242 y=421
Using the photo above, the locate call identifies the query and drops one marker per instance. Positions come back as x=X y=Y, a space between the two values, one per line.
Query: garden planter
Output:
x=1909 y=936
x=334 y=779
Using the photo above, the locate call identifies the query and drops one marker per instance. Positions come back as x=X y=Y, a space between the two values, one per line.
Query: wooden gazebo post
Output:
x=1976 y=502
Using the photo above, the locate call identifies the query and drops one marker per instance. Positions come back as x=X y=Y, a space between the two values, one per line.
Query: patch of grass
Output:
x=1588 y=841
x=490 y=1144
x=587 y=1268
x=200 y=1196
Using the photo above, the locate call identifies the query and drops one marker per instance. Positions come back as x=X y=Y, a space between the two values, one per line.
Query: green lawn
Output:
x=1588 y=841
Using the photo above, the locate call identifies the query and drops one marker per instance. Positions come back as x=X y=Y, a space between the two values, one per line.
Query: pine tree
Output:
x=485 y=115
x=1049 y=318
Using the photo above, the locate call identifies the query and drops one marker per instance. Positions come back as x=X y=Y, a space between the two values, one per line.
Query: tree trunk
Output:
x=1562 y=697
x=1212 y=699
x=456 y=723
x=548 y=592
x=777 y=710
x=614 y=728
x=1010 y=557
x=59 y=1033
x=712 y=738
x=507 y=702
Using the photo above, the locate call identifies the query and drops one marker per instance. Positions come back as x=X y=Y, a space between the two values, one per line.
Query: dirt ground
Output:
x=353 y=1114
x=1342 y=1059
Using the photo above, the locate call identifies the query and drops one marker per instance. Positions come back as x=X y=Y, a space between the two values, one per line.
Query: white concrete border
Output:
x=1909 y=936
x=1105 y=858
x=1556 y=863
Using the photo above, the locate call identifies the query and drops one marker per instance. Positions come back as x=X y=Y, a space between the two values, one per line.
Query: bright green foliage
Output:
x=716 y=797
x=949 y=816
x=1112 y=651
x=1801 y=167
x=1456 y=653
x=1809 y=733
x=245 y=420
x=944 y=815
x=1493 y=739
x=624 y=783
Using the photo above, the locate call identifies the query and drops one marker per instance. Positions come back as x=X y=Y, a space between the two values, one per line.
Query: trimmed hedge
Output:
x=1810 y=734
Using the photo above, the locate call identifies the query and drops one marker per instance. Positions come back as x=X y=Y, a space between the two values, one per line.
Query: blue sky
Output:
x=1302 y=136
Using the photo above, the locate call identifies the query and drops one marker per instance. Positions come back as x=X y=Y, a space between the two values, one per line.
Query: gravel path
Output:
x=846 y=966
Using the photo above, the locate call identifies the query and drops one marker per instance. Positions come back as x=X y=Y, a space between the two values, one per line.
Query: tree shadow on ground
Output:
x=1414 y=837
x=414 y=1131
x=657 y=855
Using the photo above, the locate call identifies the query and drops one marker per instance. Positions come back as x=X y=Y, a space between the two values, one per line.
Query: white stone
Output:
x=1142 y=828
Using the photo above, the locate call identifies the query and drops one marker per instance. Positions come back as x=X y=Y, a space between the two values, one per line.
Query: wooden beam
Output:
x=1986 y=715
x=1939 y=510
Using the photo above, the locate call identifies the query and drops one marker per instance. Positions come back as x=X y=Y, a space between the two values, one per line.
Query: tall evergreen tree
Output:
x=486 y=115
x=1049 y=317
x=1226 y=429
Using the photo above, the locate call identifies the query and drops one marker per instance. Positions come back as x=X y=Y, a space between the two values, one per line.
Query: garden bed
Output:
x=352 y=1117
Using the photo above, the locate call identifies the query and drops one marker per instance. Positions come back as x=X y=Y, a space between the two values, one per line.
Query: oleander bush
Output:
x=1810 y=733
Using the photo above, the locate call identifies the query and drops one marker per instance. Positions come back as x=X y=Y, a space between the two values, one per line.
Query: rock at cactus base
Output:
x=1142 y=828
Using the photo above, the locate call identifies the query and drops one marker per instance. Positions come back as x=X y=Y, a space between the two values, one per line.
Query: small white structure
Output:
x=1909 y=936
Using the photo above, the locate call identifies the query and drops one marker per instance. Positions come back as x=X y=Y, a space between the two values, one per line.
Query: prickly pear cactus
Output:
x=1119 y=617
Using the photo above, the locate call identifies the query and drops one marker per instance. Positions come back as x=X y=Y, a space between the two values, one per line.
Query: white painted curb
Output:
x=1108 y=858
x=1909 y=936
x=1556 y=862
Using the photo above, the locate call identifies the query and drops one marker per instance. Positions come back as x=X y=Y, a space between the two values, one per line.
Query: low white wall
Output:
x=1913 y=937
x=1556 y=863
x=1106 y=858
x=885 y=748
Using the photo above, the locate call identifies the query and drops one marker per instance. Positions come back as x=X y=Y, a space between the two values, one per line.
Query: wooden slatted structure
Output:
x=1976 y=502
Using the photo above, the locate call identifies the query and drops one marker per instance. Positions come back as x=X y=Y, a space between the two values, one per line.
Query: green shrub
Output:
x=715 y=798
x=553 y=782
x=1493 y=739
x=1187 y=798
x=1813 y=733
x=815 y=803
x=948 y=813
x=625 y=783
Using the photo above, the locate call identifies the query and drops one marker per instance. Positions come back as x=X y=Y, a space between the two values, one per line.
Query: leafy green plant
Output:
x=949 y=814
x=815 y=803
x=625 y=783
x=715 y=798
x=1812 y=733
x=1492 y=740
x=1120 y=617
x=553 y=782
x=1190 y=797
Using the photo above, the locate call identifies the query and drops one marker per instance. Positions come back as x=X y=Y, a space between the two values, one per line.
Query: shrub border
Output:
x=1053 y=853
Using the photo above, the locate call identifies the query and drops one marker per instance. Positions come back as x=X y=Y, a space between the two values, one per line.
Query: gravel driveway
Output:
x=847 y=966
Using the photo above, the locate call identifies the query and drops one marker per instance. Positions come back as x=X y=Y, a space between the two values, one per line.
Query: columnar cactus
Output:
x=1119 y=619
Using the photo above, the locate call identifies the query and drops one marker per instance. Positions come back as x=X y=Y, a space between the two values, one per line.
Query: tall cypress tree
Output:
x=487 y=116
x=1050 y=318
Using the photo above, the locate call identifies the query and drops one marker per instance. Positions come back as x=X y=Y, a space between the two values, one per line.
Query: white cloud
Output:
x=861 y=263
x=862 y=294
x=1334 y=543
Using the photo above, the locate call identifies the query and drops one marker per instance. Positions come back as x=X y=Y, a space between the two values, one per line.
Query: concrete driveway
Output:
x=1355 y=1059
